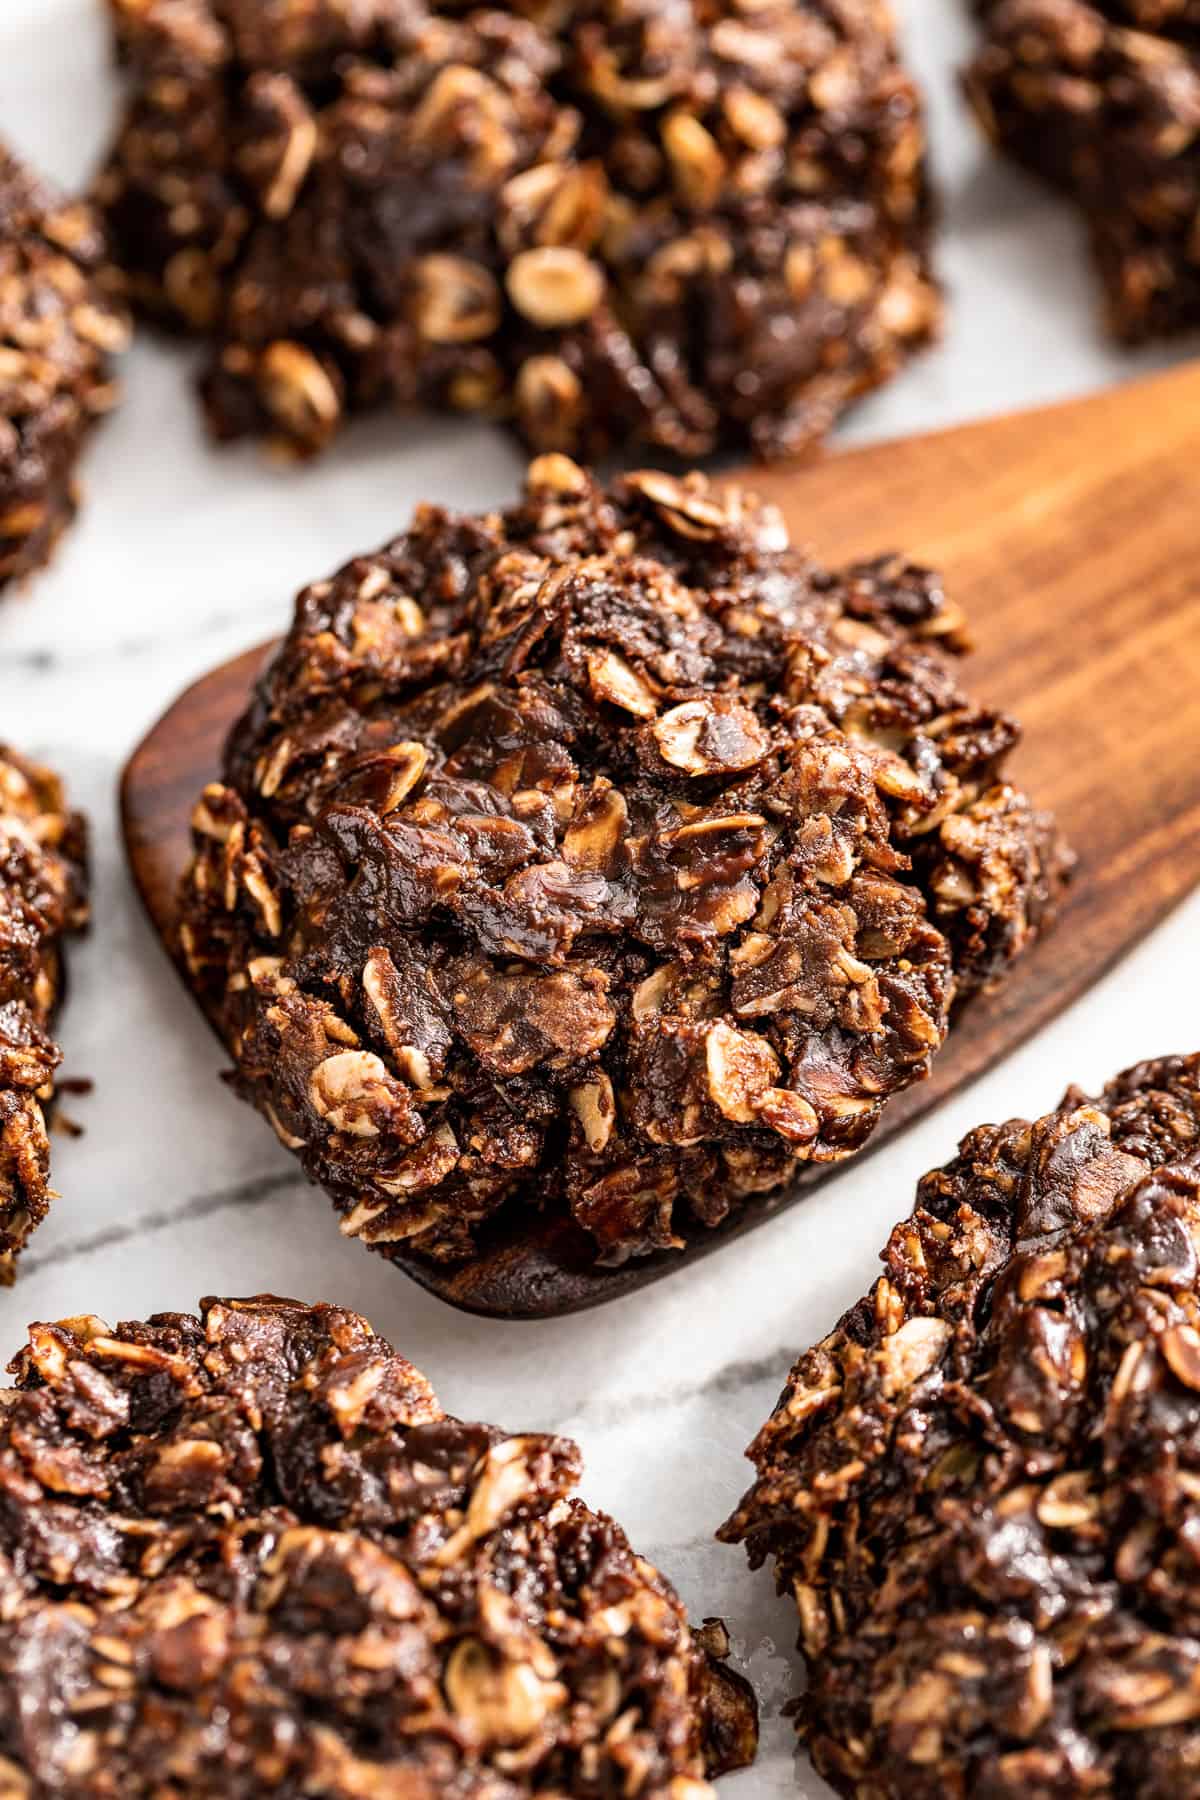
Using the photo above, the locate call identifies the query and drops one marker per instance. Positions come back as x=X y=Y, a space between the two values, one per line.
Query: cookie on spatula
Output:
x=604 y=858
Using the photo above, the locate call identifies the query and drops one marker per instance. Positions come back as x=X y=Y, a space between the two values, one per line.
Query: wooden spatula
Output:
x=1072 y=537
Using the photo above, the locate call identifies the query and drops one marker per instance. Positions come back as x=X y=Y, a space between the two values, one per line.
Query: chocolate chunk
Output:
x=43 y=896
x=58 y=328
x=1104 y=101
x=677 y=226
x=249 y=1554
x=606 y=856
x=983 y=1488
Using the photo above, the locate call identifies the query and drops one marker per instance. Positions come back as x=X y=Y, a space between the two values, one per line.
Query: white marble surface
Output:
x=183 y=557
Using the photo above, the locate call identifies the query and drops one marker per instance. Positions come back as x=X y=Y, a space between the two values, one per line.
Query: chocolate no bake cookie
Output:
x=603 y=856
x=1110 y=113
x=248 y=1555
x=58 y=328
x=676 y=225
x=43 y=896
x=983 y=1489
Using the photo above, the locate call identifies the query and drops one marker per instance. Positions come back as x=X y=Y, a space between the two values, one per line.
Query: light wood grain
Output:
x=1072 y=537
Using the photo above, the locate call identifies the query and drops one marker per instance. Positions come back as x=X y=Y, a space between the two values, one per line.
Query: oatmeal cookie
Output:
x=59 y=327
x=672 y=225
x=248 y=1555
x=43 y=897
x=983 y=1488
x=604 y=856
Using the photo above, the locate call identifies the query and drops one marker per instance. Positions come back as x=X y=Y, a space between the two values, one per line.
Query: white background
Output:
x=184 y=556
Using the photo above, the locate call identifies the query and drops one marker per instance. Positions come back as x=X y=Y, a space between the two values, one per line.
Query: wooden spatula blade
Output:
x=1071 y=536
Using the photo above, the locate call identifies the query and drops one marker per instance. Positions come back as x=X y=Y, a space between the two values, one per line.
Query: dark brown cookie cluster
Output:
x=58 y=328
x=679 y=225
x=43 y=896
x=983 y=1489
x=1104 y=100
x=1177 y=19
x=606 y=856
x=249 y=1554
